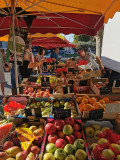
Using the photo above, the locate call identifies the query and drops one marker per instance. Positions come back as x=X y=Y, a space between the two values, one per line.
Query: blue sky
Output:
x=69 y=37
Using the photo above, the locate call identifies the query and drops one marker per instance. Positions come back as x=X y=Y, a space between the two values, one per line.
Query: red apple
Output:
x=70 y=139
x=7 y=145
x=60 y=134
x=58 y=125
x=60 y=143
x=77 y=134
x=76 y=127
x=50 y=128
x=69 y=120
x=62 y=122
x=38 y=140
x=52 y=138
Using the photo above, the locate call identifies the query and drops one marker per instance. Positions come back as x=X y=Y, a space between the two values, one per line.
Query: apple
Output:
x=70 y=139
x=62 y=122
x=67 y=129
x=115 y=146
x=67 y=104
x=89 y=131
x=76 y=127
x=48 y=156
x=70 y=157
x=60 y=154
x=60 y=143
x=52 y=138
x=97 y=132
x=96 y=127
x=7 y=145
x=70 y=149
x=60 y=134
x=102 y=141
x=35 y=150
x=79 y=143
x=118 y=157
x=104 y=129
x=38 y=140
x=50 y=128
x=58 y=125
x=70 y=121
x=92 y=146
x=108 y=154
x=50 y=148
x=80 y=154
x=77 y=134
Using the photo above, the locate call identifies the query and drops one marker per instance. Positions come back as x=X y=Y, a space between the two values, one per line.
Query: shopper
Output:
x=55 y=54
x=40 y=55
x=90 y=57
x=2 y=75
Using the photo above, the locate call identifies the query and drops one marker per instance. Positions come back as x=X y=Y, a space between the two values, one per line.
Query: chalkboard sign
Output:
x=36 y=112
x=45 y=84
x=1 y=111
x=96 y=114
x=62 y=113
x=32 y=79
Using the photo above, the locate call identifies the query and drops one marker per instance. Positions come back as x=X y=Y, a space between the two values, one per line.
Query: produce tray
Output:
x=30 y=122
x=77 y=121
x=89 y=140
x=31 y=100
x=66 y=100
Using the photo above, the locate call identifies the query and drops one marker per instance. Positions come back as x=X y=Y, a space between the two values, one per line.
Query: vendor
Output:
x=90 y=57
x=55 y=54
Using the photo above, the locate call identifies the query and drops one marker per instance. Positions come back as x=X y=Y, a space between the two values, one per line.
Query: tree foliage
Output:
x=83 y=38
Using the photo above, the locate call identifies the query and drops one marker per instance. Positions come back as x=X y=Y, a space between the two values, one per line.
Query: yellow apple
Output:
x=104 y=129
x=96 y=134
x=92 y=146
x=96 y=127
x=89 y=131
x=118 y=157
x=115 y=146
x=102 y=141
x=108 y=154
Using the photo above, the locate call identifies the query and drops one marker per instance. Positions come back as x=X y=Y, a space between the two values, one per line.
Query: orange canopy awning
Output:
x=105 y=7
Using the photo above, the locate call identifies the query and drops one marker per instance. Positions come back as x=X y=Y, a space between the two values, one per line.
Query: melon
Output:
x=5 y=130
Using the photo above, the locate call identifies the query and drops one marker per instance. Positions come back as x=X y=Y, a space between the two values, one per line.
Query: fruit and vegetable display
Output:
x=103 y=143
x=86 y=103
x=68 y=103
x=65 y=140
x=45 y=105
x=30 y=91
x=12 y=149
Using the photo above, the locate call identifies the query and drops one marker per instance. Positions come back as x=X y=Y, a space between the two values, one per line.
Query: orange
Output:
x=89 y=107
x=81 y=106
x=85 y=101
x=85 y=96
x=92 y=100
x=106 y=99
x=79 y=99
x=102 y=101
x=97 y=105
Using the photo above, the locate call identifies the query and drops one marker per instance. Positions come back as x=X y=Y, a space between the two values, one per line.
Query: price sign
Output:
x=62 y=113
x=33 y=112
x=96 y=114
x=26 y=137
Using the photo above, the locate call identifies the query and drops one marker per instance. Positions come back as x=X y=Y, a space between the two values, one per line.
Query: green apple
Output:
x=60 y=154
x=118 y=157
x=42 y=103
x=67 y=107
x=102 y=141
x=104 y=129
x=47 y=104
x=92 y=146
x=48 y=156
x=67 y=129
x=80 y=154
x=62 y=103
x=96 y=134
x=108 y=154
x=67 y=104
x=115 y=146
x=70 y=149
x=70 y=157
x=79 y=143
x=56 y=104
x=89 y=131
x=50 y=148
x=96 y=127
